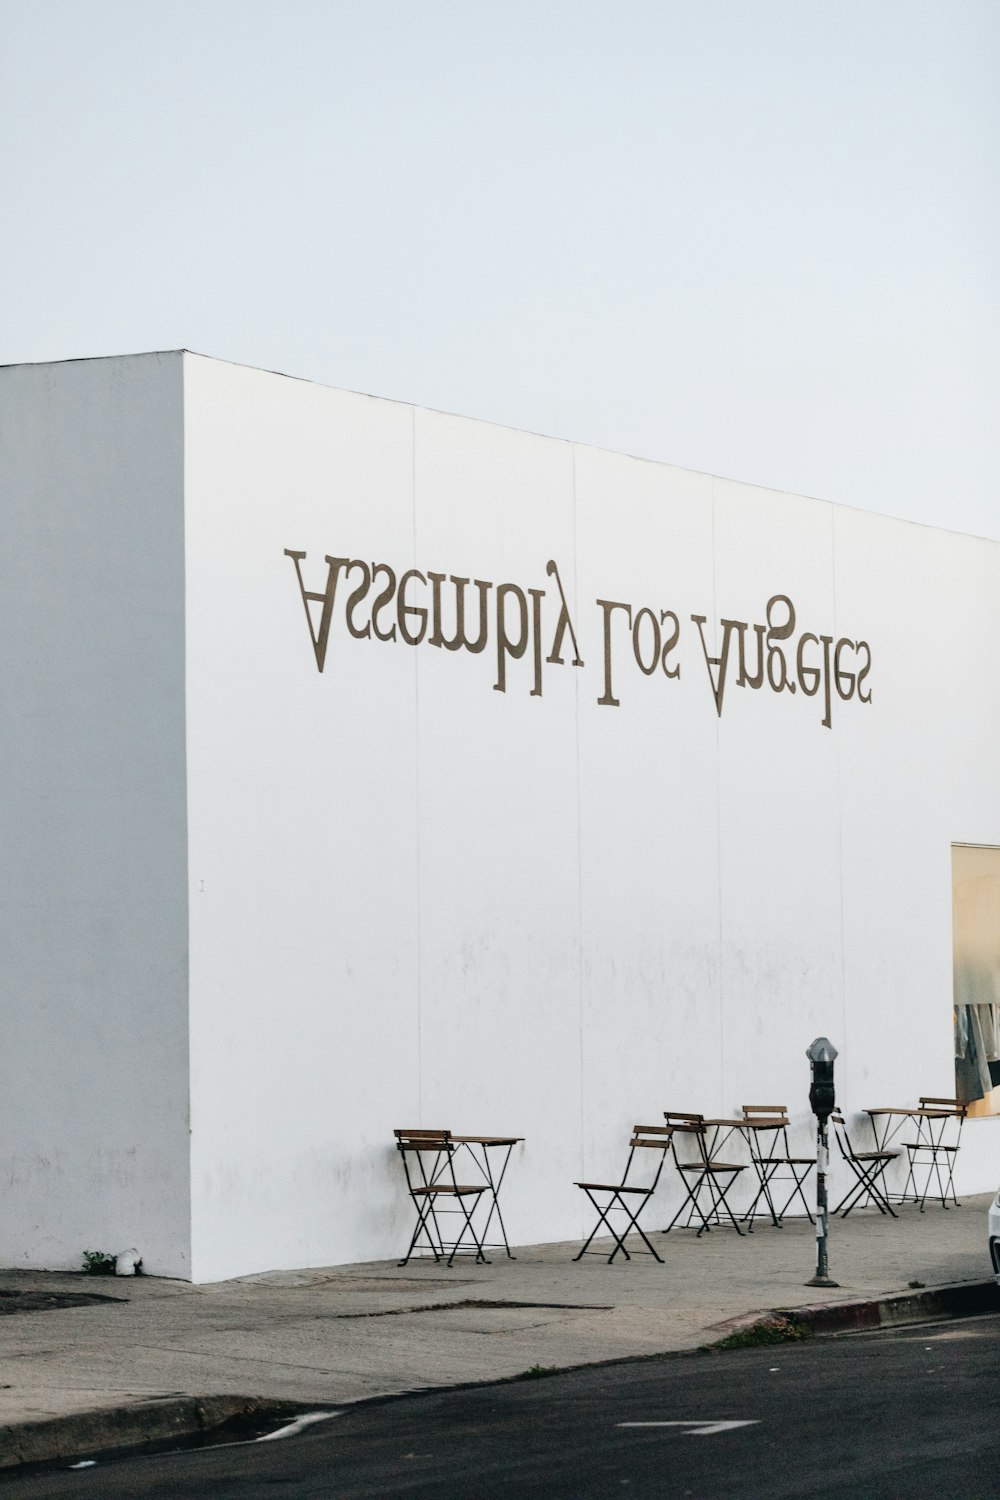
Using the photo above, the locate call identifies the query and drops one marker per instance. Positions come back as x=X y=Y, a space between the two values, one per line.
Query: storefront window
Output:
x=975 y=885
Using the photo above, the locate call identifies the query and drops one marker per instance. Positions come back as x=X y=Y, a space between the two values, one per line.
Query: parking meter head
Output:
x=821 y=1055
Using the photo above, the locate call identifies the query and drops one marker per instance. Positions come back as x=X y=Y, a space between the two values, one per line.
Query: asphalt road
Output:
x=880 y=1417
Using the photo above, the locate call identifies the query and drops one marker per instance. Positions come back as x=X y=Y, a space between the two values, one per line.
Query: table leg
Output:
x=493 y=1187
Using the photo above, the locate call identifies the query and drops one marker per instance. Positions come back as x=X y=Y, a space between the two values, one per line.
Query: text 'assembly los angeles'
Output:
x=374 y=602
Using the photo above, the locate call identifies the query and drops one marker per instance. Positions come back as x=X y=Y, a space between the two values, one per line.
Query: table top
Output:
x=914 y=1113
x=775 y=1122
x=488 y=1140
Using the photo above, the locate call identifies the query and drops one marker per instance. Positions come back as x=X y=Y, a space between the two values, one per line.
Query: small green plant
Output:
x=98 y=1263
x=537 y=1372
x=778 y=1330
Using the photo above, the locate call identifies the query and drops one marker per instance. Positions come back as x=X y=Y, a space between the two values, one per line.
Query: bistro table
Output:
x=765 y=1158
x=892 y=1120
x=492 y=1171
x=930 y=1125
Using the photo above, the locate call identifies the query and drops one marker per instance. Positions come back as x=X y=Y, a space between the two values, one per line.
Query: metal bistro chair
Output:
x=429 y=1164
x=702 y=1176
x=767 y=1133
x=931 y=1151
x=625 y=1197
x=869 y=1171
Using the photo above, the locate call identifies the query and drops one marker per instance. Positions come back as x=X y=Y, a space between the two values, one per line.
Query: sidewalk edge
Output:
x=78 y=1434
x=963 y=1299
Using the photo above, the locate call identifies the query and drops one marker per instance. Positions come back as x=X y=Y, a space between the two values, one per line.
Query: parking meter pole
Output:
x=821 y=1100
x=822 y=1277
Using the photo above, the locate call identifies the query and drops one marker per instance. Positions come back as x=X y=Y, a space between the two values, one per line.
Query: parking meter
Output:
x=821 y=1093
x=822 y=1099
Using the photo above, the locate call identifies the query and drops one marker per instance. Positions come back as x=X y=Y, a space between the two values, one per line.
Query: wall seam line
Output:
x=579 y=835
x=840 y=803
x=416 y=728
x=718 y=830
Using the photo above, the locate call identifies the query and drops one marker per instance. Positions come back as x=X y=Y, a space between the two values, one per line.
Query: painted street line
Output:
x=306 y=1420
x=696 y=1429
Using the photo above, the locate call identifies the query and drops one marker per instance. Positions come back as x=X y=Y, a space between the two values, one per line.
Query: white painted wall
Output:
x=409 y=898
x=417 y=900
x=93 y=976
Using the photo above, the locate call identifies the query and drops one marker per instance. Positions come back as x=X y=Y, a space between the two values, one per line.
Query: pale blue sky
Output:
x=755 y=237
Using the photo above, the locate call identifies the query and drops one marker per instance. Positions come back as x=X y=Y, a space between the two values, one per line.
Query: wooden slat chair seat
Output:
x=868 y=1167
x=774 y=1163
x=703 y=1176
x=429 y=1166
x=627 y=1198
x=444 y=1188
x=936 y=1155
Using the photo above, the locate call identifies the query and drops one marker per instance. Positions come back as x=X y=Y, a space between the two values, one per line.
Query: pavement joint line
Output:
x=247 y=1359
x=477 y=1303
x=194 y=1354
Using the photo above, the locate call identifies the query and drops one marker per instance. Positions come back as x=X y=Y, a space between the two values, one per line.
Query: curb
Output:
x=963 y=1299
x=115 y=1428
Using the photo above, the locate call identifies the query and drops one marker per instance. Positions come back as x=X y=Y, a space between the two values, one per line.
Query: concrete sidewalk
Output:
x=348 y=1333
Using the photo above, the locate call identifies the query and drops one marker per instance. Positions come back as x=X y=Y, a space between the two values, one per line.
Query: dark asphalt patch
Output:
x=28 y=1302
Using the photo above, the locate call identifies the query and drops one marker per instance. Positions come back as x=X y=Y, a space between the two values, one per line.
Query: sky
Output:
x=758 y=238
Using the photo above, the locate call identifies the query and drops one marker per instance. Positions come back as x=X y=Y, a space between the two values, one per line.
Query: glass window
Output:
x=975 y=887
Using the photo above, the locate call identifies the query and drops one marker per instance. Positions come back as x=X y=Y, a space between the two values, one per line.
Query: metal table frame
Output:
x=478 y=1148
x=931 y=1125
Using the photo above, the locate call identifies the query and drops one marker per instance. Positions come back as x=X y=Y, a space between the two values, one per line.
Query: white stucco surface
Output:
x=93 y=908
x=413 y=899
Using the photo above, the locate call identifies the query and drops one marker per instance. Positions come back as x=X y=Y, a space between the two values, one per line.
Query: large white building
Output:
x=363 y=766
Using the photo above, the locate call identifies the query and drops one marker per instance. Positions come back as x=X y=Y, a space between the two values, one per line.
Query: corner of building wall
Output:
x=95 y=972
x=184 y=357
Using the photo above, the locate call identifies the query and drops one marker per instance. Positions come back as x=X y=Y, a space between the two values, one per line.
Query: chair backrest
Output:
x=766 y=1113
x=840 y=1131
x=655 y=1136
x=432 y=1153
x=682 y=1124
x=847 y=1147
x=651 y=1137
x=767 y=1144
x=953 y=1106
x=424 y=1140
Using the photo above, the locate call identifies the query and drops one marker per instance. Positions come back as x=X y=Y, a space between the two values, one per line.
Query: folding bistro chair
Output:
x=429 y=1164
x=703 y=1176
x=767 y=1135
x=625 y=1197
x=931 y=1151
x=869 y=1172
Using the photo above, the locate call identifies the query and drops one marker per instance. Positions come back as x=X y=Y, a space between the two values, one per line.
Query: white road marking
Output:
x=696 y=1429
x=306 y=1420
